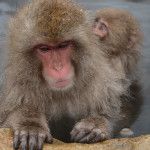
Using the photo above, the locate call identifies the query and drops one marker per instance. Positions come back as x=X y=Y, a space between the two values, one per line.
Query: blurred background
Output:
x=139 y=8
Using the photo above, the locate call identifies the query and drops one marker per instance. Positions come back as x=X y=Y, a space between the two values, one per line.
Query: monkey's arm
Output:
x=95 y=129
x=30 y=128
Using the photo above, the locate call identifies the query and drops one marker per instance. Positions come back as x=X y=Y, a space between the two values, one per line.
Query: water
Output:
x=139 y=8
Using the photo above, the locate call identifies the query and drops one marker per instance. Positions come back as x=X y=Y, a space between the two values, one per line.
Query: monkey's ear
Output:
x=132 y=40
x=100 y=28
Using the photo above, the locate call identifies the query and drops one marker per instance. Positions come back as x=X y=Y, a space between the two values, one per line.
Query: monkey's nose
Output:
x=58 y=67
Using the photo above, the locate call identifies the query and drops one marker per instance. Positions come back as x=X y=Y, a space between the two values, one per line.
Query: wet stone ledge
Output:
x=139 y=143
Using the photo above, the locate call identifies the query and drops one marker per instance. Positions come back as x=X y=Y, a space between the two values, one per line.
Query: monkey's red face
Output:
x=56 y=61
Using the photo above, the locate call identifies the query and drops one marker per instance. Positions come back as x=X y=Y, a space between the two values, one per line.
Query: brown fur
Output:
x=28 y=103
x=123 y=30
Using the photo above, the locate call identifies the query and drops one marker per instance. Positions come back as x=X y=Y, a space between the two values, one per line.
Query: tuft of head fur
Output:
x=50 y=20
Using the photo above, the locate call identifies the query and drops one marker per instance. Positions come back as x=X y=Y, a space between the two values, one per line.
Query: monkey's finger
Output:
x=16 y=141
x=99 y=138
x=81 y=134
x=49 y=139
x=73 y=134
x=24 y=143
x=40 y=142
x=32 y=142
x=88 y=137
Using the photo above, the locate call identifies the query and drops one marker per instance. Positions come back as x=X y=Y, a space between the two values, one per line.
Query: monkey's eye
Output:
x=64 y=45
x=44 y=48
x=97 y=19
x=103 y=26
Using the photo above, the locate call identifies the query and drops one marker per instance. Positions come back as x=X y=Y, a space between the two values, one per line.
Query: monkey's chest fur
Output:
x=66 y=113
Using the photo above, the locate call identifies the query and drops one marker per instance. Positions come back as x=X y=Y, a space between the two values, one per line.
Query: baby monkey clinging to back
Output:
x=119 y=31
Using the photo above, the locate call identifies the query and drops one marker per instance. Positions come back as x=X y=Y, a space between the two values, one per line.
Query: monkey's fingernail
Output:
x=16 y=143
x=16 y=146
x=32 y=147
x=49 y=139
x=40 y=147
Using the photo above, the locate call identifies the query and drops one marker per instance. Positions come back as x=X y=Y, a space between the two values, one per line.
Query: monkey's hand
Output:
x=31 y=137
x=91 y=130
x=30 y=128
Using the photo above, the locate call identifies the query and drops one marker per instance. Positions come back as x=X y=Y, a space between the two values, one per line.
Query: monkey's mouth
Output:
x=62 y=83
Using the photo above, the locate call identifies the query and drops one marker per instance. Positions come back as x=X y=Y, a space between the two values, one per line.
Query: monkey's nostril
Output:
x=58 y=67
